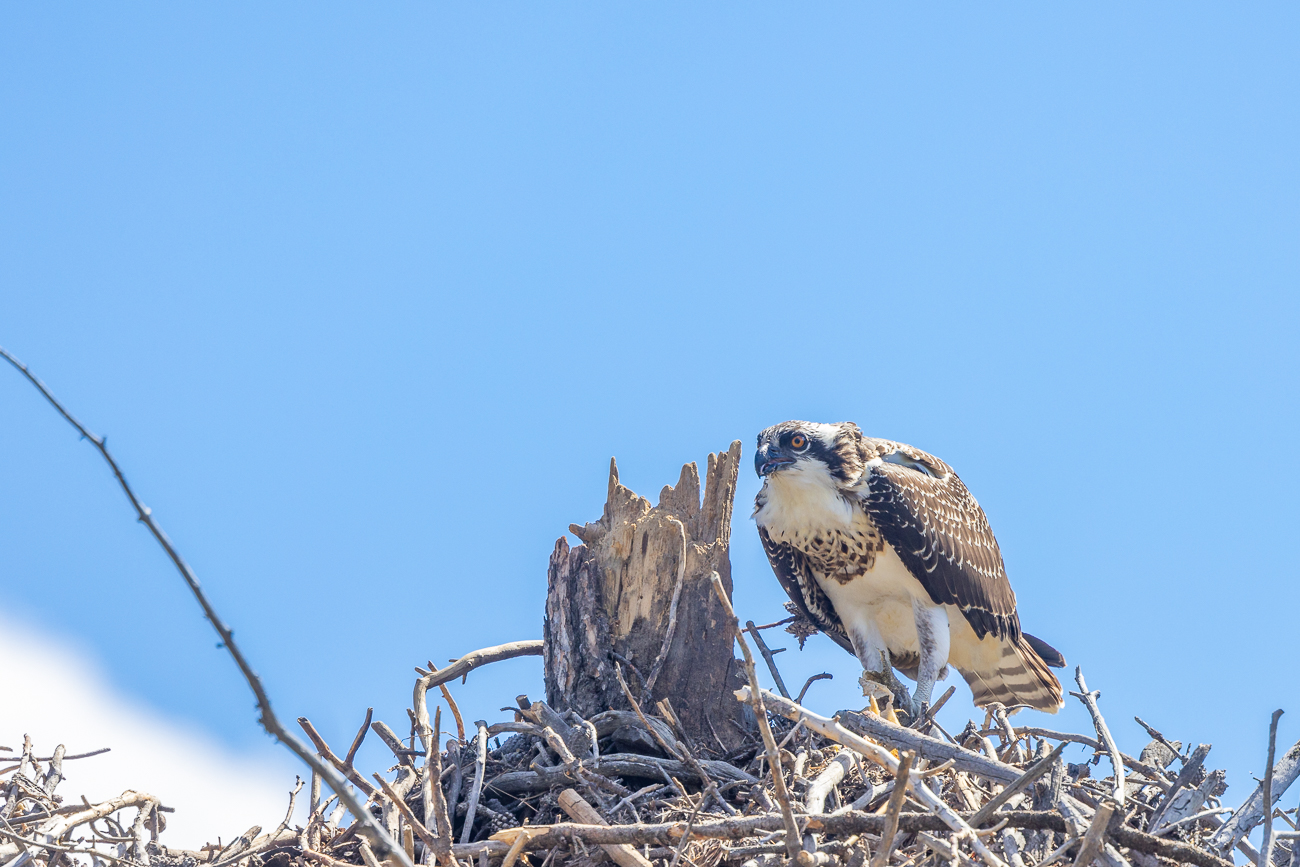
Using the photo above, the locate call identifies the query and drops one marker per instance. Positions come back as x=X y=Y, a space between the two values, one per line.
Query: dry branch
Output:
x=268 y=719
x=470 y=661
x=1025 y=780
x=1095 y=838
x=892 y=809
x=1089 y=699
x=755 y=698
x=578 y=809
x=769 y=656
x=875 y=753
x=1249 y=814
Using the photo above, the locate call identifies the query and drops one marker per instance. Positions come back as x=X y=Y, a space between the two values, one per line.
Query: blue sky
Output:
x=364 y=298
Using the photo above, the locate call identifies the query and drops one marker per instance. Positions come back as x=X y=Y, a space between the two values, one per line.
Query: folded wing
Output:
x=941 y=534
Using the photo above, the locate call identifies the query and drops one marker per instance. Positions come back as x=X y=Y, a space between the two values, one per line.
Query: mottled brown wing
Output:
x=791 y=568
x=944 y=539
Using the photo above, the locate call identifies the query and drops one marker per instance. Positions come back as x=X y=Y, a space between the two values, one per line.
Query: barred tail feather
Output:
x=1021 y=678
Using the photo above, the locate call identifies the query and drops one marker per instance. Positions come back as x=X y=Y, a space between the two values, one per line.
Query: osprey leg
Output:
x=870 y=648
x=933 y=640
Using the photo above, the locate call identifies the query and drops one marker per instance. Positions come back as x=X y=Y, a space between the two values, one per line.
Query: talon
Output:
x=887 y=687
x=875 y=687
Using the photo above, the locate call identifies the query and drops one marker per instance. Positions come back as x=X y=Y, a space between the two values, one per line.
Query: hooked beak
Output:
x=766 y=463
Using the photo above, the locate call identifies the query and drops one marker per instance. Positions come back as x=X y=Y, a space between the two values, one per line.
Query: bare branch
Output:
x=480 y=766
x=268 y=719
x=793 y=838
x=1089 y=699
x=892 y=809
x=1249 y=814
x=1095 y=838
x=1027 y=779
x=361 y=736
x=809 y=682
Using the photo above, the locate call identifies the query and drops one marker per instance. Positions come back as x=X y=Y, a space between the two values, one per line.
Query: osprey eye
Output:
x=799 y=441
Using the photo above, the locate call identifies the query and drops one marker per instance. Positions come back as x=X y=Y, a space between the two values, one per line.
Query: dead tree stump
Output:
x=612 y=599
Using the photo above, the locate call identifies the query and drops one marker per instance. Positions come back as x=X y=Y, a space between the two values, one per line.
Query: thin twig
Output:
x=1026 y=780
x=1266 y=845
x=1089 y=699
x=793 y=838
x=268 y=719
x=1189 y=820
x=895 y=806
x=393 y=742
x=777 y=623
x=425 y=835
x=1158 y=737
x=768 y=658
x=1059 y=852
x=274 y=838
x=686 y=837
x=930 y=712
x=98 y=752
x=361 y=736
x=312 y=831
x=434 y=805
x=1149 y=771
x=455 y=711
x=328 y=754
x=809 y=682
x=636 y=706
x=680 y=751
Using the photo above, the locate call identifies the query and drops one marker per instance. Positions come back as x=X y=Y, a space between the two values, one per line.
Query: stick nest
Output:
x=629 y=787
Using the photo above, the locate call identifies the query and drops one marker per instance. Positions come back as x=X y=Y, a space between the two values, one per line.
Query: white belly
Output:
x=881 y=606
x=883 y=598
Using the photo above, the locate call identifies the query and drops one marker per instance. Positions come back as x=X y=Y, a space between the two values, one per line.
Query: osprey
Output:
x=881 y=546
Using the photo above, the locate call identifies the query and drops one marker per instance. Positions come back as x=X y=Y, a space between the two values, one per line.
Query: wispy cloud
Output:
x=62 y=696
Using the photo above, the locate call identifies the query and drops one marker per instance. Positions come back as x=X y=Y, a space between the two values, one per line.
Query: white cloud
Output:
x=63 y=697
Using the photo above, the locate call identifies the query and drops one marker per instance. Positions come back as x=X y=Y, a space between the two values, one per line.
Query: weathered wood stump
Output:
x=637 y=591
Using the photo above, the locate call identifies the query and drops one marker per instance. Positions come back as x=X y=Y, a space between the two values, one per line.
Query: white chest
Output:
x=800 y=503
x=804 y=509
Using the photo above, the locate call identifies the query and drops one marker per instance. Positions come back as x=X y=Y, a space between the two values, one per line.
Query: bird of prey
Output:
x=881 y=546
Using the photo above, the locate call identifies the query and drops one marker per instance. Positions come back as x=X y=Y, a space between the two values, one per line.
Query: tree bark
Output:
x=612 y=597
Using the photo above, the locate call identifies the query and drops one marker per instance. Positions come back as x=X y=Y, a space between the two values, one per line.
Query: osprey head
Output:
x=809 y=446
